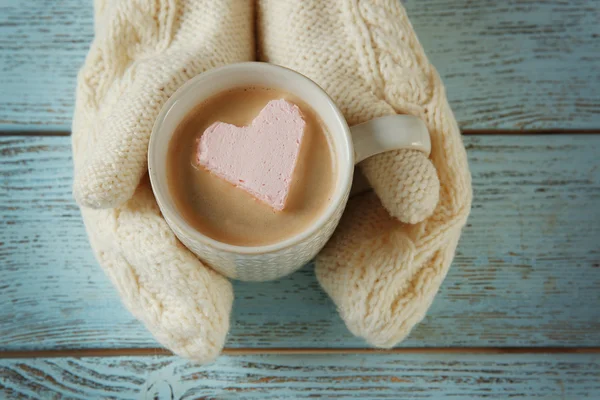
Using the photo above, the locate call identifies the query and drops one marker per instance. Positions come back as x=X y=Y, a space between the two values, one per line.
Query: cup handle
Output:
x=387 y=133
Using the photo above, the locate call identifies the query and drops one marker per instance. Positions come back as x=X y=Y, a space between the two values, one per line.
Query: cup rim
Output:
x=169 y=210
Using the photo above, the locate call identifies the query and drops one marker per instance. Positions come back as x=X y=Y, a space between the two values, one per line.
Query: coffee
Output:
x=226 y=213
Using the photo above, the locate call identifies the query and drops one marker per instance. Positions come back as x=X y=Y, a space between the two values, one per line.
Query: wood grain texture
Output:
x=298 y=377
x=527 y=270
x=518 y=64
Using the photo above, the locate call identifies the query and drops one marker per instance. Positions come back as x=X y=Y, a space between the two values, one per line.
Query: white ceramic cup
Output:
x=350 y=146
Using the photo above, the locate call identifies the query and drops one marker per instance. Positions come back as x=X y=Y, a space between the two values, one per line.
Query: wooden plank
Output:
x=527 y=271
x=520 y=64
x=42 y=45
x=307 y=376
x=251 y=351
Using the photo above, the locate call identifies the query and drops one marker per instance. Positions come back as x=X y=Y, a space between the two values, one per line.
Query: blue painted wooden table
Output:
x=518 y=315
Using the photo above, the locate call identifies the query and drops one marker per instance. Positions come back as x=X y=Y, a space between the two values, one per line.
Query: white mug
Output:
x=350 y=146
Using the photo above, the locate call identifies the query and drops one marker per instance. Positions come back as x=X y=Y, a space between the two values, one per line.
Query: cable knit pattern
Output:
x=382 y=273
x=142 y=52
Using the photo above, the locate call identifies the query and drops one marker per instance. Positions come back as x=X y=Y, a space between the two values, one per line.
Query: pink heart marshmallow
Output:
x=259 y=158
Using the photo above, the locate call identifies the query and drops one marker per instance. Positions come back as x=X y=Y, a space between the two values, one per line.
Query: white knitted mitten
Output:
x=381 y=272
x=143 y=51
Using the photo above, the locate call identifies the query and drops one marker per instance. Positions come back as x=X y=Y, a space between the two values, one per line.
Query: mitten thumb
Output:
x=406 y=182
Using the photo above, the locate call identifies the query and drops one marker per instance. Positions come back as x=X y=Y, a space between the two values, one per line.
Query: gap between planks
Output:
x=464 y=132
x=156 y=351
